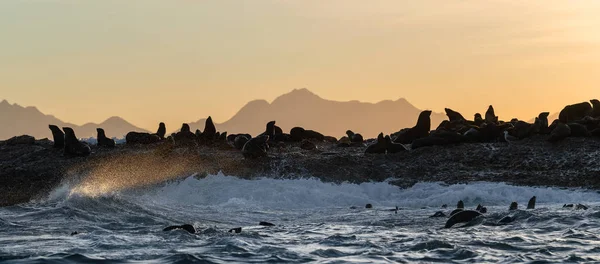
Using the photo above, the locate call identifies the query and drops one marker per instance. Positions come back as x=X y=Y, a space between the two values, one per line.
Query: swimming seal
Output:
x=58 y=135
x=256 y=147
x=73 y=147
x=189 y=228
x=462 y=217
x=531 y=203
x=104 y=141
x=513 y=206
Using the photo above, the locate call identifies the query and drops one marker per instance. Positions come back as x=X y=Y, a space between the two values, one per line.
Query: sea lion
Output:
x=531 y=203
x=20 y=140
x=141 y=138
x=278 y=130
x=330 y=139
x=543 y=118
x=460 y=205
x=104 y=141
x=270 y=129
x=223 y=136
x=454 y=116
x=464 y=216
x=73 y=147
x=307 y=145
x=438 y=138
x=392 y=147
x=311 y=134
x=236 y=230
x=490 y=116
x=265 y=224
x=438 y=214
x=162 y=130
x=478 y=120
x=379 y=147
x=369 y=206
x=513 y=206
x=575 y=112
x=58 y=136
x=560 y=132
x=256 y=147
x=354 y=138
x=456 y=211
x=420 y=130
x=209 y=130
x=578 y=130
x=297 y=134
x=189 y=228
x=595 y=108
x=240 y=141
x=185 y=136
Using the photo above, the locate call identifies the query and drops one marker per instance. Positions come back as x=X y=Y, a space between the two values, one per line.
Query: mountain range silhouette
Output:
x=300 y=107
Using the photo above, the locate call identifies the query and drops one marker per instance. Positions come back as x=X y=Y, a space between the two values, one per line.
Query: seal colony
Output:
x=457 y=150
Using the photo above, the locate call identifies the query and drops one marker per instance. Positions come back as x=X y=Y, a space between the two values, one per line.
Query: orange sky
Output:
x=178 y=61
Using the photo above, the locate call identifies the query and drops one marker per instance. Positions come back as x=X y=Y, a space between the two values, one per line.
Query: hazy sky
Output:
x=180 y=60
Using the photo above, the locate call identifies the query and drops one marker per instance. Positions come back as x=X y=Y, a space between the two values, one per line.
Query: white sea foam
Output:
x=227 y=191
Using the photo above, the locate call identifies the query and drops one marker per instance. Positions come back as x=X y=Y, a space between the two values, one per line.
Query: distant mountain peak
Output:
x=296 y=95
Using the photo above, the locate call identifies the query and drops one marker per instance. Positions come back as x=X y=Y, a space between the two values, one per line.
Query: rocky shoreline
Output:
x=29 y=171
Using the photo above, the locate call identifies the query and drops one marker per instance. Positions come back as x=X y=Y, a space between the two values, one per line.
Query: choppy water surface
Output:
x=314 y=223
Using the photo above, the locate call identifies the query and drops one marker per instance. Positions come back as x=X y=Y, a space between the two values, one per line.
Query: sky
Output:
x=181 y=60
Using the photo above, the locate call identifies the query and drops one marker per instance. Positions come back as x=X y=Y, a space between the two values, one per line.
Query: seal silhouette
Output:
x=58 y=136
x=420 y=130
x=104 y=141
x=73 y=147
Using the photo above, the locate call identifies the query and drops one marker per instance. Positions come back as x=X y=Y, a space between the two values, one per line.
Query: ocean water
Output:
x=314 y=223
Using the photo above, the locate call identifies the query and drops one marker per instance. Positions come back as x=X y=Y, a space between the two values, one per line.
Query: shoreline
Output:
x=30 y=171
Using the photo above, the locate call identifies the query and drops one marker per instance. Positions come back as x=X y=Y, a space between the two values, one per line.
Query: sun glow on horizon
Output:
x=152 y=61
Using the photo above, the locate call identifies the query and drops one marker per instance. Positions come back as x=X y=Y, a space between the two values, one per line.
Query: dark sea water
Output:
x=314 y=223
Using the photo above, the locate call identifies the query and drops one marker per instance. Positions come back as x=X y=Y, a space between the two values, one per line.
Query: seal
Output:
x=379 y=147
x=104 y=141
x=209 y=130
x=256 y=147
x=420 y=130
x=187 y=227
x=575 y=112
x=354 y=138
x=578 y=130
x=141 y=138
x=240 y=140
x=392 y=147
x=595 y=108
x=73 y=147
x=454 y=116
x=464 y=216
x=513 y=206
x=58 y=136
x=478 y=120
x=531 y=203
x=543 y=118
x=162 y=130
x=297 y=134
x=490 y=116
x=185 y=135
x=460 y=205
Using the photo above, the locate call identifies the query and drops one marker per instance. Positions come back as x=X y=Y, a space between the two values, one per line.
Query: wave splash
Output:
x=266 y=193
